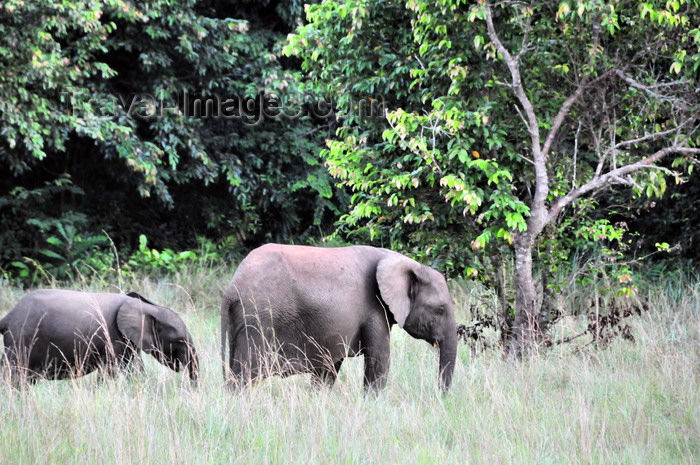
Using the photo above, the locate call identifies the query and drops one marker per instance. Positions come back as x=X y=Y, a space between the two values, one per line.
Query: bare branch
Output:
x=520 y=113
x=581 y=87
x=646 y=138
x=651 y=137
x=527 y=28
x=649 y=89
x=516 y=80
x=561 y=115
x=434 y=128
x=417 y=58
x=616 y=176
x=578 y=131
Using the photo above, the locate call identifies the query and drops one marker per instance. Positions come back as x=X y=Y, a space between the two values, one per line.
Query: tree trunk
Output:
x=525 y=327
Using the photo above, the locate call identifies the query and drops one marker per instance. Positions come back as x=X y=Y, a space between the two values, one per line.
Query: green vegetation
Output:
x=499 y=142
x=506 y=122
x=627 y=404
x=125 y=118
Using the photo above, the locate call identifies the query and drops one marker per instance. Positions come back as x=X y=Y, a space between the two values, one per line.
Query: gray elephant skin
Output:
x=57 y=334
x=299 y=309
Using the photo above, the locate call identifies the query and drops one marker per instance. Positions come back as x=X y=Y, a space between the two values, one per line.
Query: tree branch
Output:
x=516 y=80
x=583 y=85
x=648 y=89
x=538 y=214
x=650 y=137
x=616 y=176
x=527 y=28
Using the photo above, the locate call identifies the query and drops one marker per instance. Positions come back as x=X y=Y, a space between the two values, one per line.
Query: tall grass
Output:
x=629 y=403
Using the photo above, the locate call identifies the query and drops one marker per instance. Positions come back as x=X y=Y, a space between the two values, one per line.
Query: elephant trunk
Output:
x=448 y=357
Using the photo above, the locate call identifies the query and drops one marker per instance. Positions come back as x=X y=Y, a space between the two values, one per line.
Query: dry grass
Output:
x=630 y=403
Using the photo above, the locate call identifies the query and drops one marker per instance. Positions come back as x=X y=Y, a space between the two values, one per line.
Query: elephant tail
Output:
x=224 y=332
x=3 y=355
x=226 y=305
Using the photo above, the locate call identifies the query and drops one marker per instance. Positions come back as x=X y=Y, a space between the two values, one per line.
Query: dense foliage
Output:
x=456 y=146
x=506 y=122
x=119 y=119
x=477 y=136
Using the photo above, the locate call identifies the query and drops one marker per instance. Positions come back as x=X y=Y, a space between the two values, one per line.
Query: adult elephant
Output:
x=294 y=309
x=58 y=334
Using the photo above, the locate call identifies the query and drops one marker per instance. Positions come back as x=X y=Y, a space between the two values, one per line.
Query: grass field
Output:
x=627 y=404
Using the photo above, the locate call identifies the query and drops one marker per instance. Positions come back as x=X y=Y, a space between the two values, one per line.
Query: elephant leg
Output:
x=245 y=363
x=5 y=367
x=13 y=368
x=376 y=351
x=326 y=376
x=8 y=368
x=376 y=371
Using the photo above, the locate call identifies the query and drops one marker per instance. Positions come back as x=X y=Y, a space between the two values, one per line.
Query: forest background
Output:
x=142 y=136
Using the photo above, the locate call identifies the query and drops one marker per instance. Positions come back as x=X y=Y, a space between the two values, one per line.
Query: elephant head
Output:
x=160 y=332
x=418 y=298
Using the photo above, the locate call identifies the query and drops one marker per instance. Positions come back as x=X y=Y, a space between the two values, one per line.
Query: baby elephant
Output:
x=58 y=334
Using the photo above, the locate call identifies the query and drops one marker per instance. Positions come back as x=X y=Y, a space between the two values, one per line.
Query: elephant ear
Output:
x=135 y=320
x=396 y=277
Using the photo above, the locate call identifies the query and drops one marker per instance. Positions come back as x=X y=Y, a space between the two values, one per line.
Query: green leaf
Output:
x=51 y=254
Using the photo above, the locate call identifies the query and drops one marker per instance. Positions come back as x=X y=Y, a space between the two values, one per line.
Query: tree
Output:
x=504 y=121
